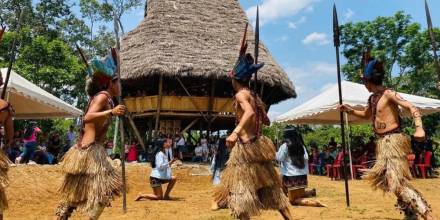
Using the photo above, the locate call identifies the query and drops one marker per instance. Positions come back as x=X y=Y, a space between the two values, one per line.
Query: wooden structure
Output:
x=175 y=63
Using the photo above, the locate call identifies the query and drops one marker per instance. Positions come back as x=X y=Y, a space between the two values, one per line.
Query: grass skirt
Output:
x=250 y=181
x=391 y=173
x=391 y=169
x=90 y=180
x=4 y=181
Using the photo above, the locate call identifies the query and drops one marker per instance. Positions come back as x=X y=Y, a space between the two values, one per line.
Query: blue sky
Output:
x=298 y=34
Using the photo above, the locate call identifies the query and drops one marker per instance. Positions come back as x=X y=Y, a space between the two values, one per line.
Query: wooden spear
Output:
x=121 y=122
x=12 y=55
x=341 y=114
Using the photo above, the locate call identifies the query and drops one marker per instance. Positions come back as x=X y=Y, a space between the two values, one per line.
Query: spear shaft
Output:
x=121 y=121
x=341 y=114
x=12 y=55
x=433 y=41
x=257 y=48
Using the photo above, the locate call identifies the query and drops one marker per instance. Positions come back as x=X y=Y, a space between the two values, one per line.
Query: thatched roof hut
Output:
x=174 y=65
x=196 y=38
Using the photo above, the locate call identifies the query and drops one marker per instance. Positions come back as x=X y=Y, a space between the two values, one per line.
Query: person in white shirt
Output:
x=293 y=159
x=198 y=154
x=181 y=146
x=161 y=173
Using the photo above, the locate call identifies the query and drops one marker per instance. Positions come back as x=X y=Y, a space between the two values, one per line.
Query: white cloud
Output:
x=315 y=37
x=272 y=10
x=324 y=67
x=348 y=15
x=294 y=24
x=282 y=39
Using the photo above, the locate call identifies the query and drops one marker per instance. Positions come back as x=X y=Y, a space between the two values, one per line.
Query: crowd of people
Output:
x=363 y=153
x=32 y=145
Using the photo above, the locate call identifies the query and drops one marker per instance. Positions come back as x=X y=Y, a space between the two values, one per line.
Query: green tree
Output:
x=90 y=9
x=118 y=8
x=385 y=36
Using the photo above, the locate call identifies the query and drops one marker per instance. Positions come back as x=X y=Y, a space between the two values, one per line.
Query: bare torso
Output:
x=95 y=131
x=6 y=115
x=387 y=117
x=249 y=131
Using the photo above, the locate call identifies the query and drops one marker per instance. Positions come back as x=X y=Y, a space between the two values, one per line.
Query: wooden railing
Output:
x=178 y=104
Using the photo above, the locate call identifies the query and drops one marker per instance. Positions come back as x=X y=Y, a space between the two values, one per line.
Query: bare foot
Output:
x=139 y=197
x=429 y=216
x=214 y=206
x=166 y=198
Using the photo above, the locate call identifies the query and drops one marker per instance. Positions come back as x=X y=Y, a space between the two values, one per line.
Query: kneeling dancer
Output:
x=391 y=171
x=90 y=181
x=250 y=181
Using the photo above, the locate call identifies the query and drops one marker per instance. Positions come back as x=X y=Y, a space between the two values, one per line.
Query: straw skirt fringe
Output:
x=90 y=180
x=391 y=173
x=4 y=181
x=250 y=181
x=391 y=169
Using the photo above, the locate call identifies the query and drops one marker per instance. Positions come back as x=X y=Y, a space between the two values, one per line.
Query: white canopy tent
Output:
x=322 y=109
x=32 y=102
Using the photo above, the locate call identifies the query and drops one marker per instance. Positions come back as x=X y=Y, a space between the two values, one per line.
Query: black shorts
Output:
x=156 y=182
x=295 y=182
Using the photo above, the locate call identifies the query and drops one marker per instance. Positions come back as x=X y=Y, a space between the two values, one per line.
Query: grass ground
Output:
x=33 y=195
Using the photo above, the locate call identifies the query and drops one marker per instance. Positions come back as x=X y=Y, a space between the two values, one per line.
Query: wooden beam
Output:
x=159 y=105
x=190 y=125
x=211 y=106
x=223 y=107
x=136 y=132
x=190 y=98
x=181 y=114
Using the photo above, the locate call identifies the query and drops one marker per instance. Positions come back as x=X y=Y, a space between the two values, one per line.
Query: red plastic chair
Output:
x=425 y=166
x=328 y=168
x=411 y=158
x=337 y=166
x=311 y=168
x=362 y=165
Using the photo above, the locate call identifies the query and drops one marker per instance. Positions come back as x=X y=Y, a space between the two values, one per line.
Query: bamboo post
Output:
x=121 y=122
x=210 y=107
x=158 y=107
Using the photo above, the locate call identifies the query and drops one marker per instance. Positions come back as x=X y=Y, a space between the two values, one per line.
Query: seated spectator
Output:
x=161 y=173
x=332 y=143
x=54 y=147
x=198 y=154
x=132 y=152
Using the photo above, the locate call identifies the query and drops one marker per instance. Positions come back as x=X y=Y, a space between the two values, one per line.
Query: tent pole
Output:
x=115 y=137
x=349 y=145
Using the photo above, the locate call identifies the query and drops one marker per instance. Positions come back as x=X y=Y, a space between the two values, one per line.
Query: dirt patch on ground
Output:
x=33 y=195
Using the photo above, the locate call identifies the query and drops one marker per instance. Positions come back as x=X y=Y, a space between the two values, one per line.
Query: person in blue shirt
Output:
x=293 y=159
x=161 y=172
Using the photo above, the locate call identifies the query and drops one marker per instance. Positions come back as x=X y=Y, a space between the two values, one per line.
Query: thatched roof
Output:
x=195 y=38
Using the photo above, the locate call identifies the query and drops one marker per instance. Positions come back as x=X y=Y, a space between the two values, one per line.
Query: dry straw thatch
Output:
x=195 y=38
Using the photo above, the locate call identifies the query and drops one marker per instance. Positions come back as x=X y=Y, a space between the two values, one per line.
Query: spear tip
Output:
x=335 y=27
x=428 y=15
